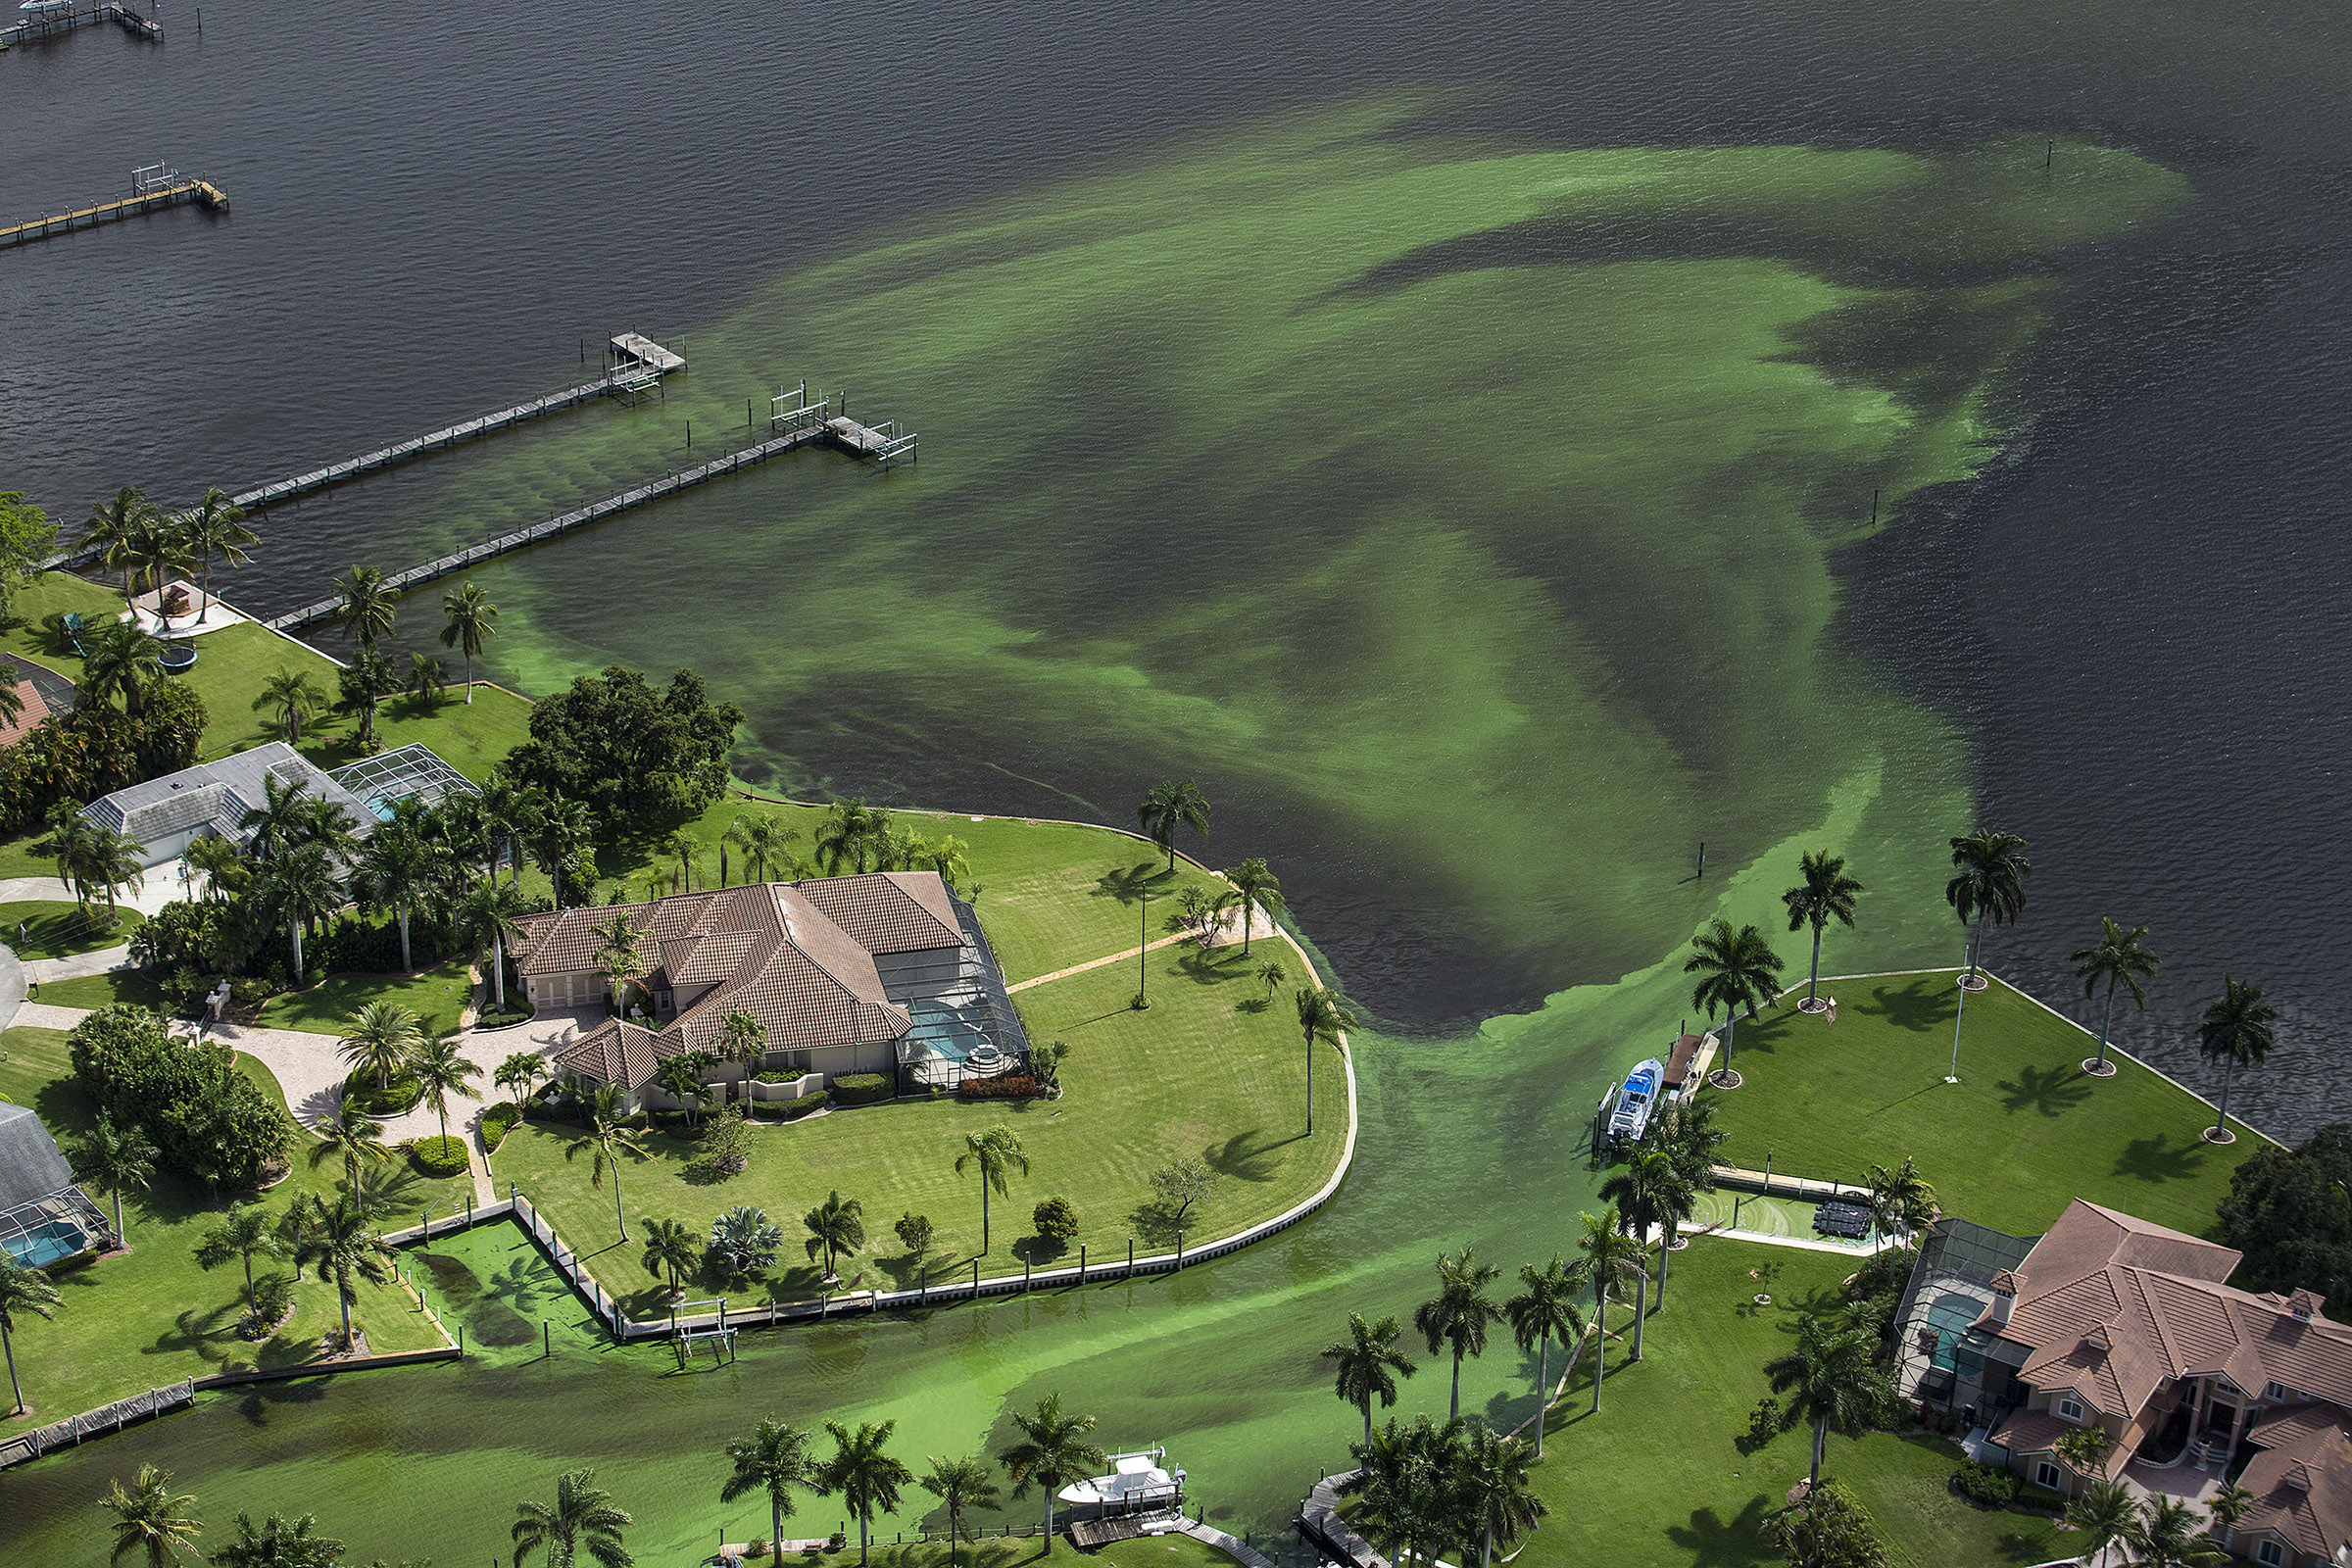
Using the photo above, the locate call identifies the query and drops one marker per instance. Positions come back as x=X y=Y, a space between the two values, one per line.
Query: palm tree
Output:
x=23 y=1288
x=1271 y=974
x=742 y=1037
x=1053 y=1453
x=114 y=859
x=1458 y=1314
x=396 y=868
x=243 y=1232
x=867 y=1479
x=1737 y=969
x=518 y=1074
x=340 y=1237
x=995 y=1152
x=150 y=1519
x=352 y=1136
x=114 y=525
x=2226 y=1508
x=468 y=615
x=1825 y=894
x=773 y=1459
x=1609 y=1259
x=295 y=697
x=2168 y=1534
x=836 y=1228
x=1409 y=1490
x=301 y=887
x=618 y=954
x=1496 y=1500
x=2118 y=959
x=853 y=834
x=1368 y=1364
x=68 y=843
x=1649 y=1186
x=120 y=659
x=428 y=678
x=670 y=1246
x=764 y=841
x=382 y=1038
x=1323 y=1014
x=607 y=1138
x=952 y=859
x=1545 y=1309
x=2106 y=1511
x=275 y=825
x=582 y=1518
x=2239 y=1030
x=115 y=1158
x=278 y=1542
x=217 y=527
x=1172 y=804
x=685 y=848
x=158 y=549
x=1830 y=1380
x=485 y=916
x=1988 y=883
x=442 y=1073
x=368 y=606
x=1900 y=1200
x=1256 y=885
x=961 y=1482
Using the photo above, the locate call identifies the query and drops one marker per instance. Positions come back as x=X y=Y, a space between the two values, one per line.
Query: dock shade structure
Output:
x=43 y=1217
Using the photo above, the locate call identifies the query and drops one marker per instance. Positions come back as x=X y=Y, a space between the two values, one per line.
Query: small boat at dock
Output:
x=1627 y=1110
x=1142 y=1482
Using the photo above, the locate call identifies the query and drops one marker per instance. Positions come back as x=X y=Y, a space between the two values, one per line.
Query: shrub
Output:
x=1008 y=1086
x=1766 y=1421
x=744 y=1241
x=353 y=946
x=863 y=1087
x=778 y=1075
x=915 y=1233
x=273 y=1297
x=396 y=1096
x=724 y=1149
x=1985 y=1486
x=794 y=1109
x=1056 y=1220
x=496 y=1121
x=204 y=1116
x=438 y=1157
x=1828 y=1530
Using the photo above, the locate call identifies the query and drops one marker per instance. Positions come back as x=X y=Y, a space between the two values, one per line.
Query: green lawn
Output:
x=1051 y=895
x=94 y=991
x=1205 y=1071
x=436 y=997
x=234 y=663
x=151 y=1316
x=1659 y=1477
x=54 y=930
x=1171 y=1551
x=2022 y=1134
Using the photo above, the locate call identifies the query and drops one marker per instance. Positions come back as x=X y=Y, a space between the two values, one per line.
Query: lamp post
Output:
x=1953 y=1076
x=1142 y=953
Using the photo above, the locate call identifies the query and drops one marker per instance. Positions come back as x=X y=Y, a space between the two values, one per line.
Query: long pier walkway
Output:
x=637 y=367
x=151 y=190
x=64 y=19
x=797 y=421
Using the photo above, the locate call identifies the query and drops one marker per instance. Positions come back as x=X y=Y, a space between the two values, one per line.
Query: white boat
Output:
x=1635 y=1100
x=45 y=7
x=1138 y=1482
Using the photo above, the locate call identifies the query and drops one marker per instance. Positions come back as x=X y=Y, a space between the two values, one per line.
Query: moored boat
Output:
x=1142 y=1482
x=1630 y=1108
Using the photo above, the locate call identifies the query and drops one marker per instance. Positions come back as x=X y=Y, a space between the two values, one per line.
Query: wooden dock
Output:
x=808 y=423
x=629 y=374
x=151 y=190
x=66 y=18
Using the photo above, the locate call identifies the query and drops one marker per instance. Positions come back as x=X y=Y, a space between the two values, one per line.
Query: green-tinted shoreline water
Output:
x=1561 y=443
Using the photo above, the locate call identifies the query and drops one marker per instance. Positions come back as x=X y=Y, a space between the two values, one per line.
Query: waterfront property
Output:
x=883 y=973
x=2112 y=1325
x=43 y=1217
x=166 y=814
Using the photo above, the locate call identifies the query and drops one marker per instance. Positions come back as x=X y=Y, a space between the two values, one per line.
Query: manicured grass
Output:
x=1051 y=893
x=2020 y=1135
x=54 y=930
x=234 y=663
x=1659 y=1477
x=103 y=991
x=151 y=1315
x=436 y=997
x=17 y=859
x=1205 y=1071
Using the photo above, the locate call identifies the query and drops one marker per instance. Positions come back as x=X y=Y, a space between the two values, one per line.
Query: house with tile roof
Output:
x=884 y=972
x=2113 y=1323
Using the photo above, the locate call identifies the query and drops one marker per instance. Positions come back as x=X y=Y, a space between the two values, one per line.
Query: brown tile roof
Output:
x=2302 y=1479
x=2112 y=1307
x=35 y=710
x=2032 y=1432
x=779 y=951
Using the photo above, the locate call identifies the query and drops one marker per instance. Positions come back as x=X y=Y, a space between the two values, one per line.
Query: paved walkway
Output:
x=1229 y=932
x=159 y=886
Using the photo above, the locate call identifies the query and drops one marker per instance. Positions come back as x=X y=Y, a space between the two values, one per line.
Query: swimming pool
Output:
x=48 y=1242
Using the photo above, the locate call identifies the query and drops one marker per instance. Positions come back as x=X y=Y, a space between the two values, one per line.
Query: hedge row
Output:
x=863 y=1088
x=1006 y=1086
x=438 y=1157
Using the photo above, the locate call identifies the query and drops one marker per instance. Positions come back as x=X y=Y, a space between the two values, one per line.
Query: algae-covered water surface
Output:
x=1466 y=503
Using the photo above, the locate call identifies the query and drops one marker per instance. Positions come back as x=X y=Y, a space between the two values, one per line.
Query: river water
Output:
x=1451 y=440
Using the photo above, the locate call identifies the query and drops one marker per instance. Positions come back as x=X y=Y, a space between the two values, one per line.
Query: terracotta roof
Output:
x=2112 y=1307
x=36 y=709
x=2032 y=1432
x=2301 y=1477
x=778 y=951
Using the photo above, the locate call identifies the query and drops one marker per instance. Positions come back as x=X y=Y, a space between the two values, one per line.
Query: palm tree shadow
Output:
x=1132 y=883
x=1247 y=1157
x=1916 y=1005
x=2052 y=1091
x=2154 y=1159
x=1714 y=1542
